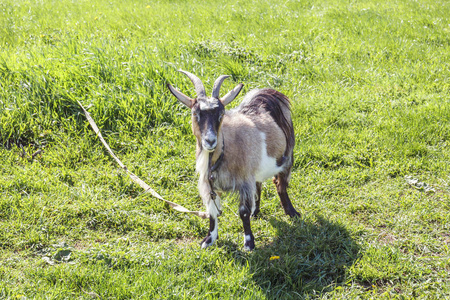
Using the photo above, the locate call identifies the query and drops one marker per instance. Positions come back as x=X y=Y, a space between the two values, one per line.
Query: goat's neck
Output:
x=219 y=149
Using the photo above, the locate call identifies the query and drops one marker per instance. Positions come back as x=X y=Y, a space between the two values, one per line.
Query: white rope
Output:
x=142 y=184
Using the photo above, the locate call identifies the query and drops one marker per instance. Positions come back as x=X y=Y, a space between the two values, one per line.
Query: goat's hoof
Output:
x=249 y=247
x=293 y=213
x=296 y=215
x=207 y=241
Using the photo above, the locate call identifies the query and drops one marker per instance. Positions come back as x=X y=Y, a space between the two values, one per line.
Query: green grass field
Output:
x=370 y=86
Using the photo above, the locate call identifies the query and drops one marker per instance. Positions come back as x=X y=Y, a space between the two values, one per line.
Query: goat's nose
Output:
x=209 y=144
x=210 y=141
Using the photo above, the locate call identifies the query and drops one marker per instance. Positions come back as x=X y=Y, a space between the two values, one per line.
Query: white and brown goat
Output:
x=240 y=148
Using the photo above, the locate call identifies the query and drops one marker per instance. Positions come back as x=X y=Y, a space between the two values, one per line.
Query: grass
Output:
x=369 y=82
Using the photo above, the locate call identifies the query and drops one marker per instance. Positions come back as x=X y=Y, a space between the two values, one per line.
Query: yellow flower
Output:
x=148 y=6
x=274 y=257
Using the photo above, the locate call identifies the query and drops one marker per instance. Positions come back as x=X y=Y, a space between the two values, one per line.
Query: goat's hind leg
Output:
x=249 y=240
x=257 y=199
x=281 y=181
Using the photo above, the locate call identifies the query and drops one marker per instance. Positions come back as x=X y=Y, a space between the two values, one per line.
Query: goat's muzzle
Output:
x=209 y=144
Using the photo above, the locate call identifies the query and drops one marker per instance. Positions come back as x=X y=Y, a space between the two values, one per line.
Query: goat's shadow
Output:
x=308 y=258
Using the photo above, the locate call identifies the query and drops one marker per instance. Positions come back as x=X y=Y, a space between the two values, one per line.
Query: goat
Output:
x=238 y=149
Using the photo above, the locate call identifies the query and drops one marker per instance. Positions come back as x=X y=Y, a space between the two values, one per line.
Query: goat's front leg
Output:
x=246 y=208
x=213 y=232
x=213 y=208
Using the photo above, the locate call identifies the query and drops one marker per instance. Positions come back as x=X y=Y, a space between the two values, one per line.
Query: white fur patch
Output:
x=201 y=165
x=215 y=232
x=203 y=183
x=268 y=165
x=209 y=104
x=214 y=206
x=247 y=238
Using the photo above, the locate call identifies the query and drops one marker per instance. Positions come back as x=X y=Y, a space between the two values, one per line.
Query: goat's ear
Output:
x=180 y=96
x=231 y=94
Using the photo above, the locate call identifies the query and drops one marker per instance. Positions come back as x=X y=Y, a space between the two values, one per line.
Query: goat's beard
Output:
x=201 y=165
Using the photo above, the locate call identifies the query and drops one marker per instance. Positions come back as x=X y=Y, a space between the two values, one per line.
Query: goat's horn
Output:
x=217 y=85
x=198 y=85
x=180 y=96
x=232 y=94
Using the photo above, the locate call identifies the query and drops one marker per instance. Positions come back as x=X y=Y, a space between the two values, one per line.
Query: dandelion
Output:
x=96 y=18
x=148 y=6
x=274 y=257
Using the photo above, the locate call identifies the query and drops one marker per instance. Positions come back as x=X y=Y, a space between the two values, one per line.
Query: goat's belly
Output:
x=267 y=168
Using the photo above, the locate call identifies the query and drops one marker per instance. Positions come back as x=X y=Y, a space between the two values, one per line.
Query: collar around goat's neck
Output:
x=212 y=155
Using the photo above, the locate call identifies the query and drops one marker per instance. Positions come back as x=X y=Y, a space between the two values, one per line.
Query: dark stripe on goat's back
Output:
x=272 y=102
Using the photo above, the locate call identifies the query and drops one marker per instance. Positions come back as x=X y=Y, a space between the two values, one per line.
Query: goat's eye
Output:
x=196 y=114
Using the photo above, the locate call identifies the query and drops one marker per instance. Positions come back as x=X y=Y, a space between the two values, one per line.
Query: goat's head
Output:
x=207 y=112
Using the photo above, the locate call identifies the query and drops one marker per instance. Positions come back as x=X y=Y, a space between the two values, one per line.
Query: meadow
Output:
x=369 y=83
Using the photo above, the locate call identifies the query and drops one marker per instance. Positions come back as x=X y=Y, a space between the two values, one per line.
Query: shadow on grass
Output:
x=313 y=257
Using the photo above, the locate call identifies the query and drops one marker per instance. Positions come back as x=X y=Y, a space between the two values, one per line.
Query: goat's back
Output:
x=257 y=104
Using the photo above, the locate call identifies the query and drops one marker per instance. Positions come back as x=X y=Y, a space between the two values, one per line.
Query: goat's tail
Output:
x=278 y=106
